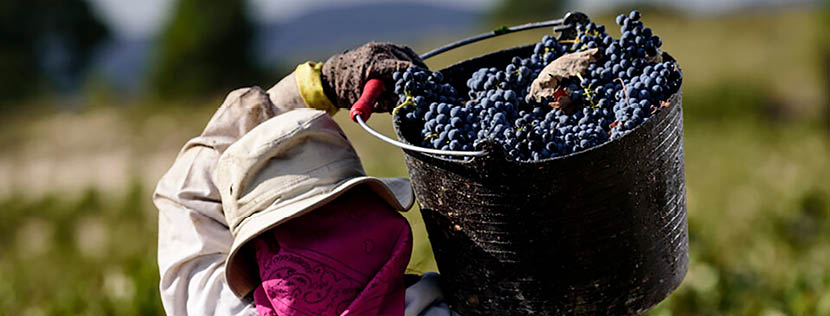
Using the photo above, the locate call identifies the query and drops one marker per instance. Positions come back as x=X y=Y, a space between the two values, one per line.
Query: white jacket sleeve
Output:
x=194 y=238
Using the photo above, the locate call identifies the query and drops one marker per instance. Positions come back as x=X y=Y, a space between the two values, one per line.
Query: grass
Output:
x=759 y=204
x=91 y=255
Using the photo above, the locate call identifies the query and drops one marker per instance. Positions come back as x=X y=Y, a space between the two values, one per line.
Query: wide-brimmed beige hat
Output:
x=284 y=168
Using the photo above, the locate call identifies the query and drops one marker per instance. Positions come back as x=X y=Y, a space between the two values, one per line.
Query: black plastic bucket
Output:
x=600 y=232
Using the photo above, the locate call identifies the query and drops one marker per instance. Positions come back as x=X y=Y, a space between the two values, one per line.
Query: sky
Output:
x=144 y=18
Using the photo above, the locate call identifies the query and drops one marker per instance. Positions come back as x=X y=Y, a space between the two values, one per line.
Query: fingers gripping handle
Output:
x=363 y=106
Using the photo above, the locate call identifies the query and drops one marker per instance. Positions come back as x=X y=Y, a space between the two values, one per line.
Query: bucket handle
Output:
x=363 y=107
x=565 y=25
x=374 y=87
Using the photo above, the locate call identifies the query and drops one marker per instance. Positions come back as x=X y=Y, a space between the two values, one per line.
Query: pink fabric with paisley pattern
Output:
x=345 y=258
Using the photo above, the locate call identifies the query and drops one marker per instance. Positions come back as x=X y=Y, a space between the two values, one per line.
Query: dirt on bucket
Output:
x=599 y=232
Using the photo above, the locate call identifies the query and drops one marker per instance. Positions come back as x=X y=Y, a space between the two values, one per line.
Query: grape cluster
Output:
x=627 y=84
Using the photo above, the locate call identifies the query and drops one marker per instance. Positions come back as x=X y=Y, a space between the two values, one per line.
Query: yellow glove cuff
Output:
x=311 y=87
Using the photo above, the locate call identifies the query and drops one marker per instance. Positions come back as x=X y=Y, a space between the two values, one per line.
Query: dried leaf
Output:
x=546 y=85
x=563 y=103
x=560 y=92
x=657 y=58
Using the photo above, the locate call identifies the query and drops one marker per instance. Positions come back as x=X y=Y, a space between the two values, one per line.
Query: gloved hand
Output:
x=344 y=75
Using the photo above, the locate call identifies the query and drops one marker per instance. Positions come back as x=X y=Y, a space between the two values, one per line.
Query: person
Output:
x=269 y=211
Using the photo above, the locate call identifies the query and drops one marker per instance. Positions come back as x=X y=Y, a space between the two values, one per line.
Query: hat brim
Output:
x=241 y=273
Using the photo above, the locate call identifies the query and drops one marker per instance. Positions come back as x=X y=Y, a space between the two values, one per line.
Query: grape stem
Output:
x=405 y=103
x=589 y=94
x=624 y=91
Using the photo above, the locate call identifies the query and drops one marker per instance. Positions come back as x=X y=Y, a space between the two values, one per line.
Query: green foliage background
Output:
x=206 y=47
x=757 y=143
x=26 y=25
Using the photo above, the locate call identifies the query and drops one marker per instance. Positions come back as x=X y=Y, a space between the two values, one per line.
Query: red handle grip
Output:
x=363 y=106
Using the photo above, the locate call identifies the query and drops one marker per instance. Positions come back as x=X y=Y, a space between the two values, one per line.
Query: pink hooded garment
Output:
x=347 y=257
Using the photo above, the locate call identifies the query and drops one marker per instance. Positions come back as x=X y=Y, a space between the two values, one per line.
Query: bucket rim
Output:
x=495 y=151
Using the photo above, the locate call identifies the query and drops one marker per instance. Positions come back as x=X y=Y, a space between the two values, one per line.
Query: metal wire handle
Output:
x=373 y=89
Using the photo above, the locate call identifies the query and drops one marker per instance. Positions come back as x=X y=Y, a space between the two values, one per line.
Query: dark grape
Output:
x=620 y=91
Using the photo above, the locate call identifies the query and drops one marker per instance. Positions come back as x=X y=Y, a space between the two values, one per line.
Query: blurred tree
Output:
x=46 y=43
x=526 y=10
x=206 y=47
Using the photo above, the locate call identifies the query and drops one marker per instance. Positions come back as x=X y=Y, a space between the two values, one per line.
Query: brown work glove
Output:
x=345 y=74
